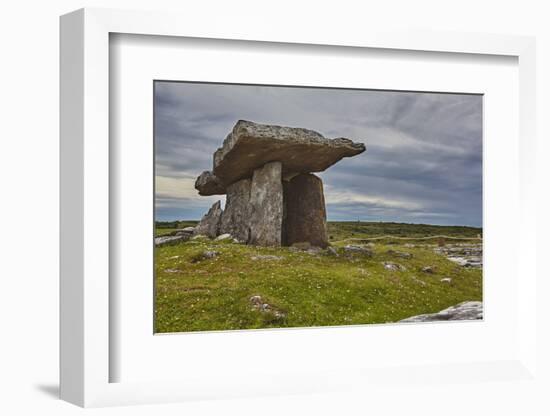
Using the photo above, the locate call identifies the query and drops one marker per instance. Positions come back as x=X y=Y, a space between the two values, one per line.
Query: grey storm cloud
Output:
x=423 y=162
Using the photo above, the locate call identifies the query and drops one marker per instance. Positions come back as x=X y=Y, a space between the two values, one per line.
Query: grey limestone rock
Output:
x=266 y=206
x=305 y=216
x=470 y=310
x=208 y=184
x=236 y=216
x=272 y=197
x=171 y=239
x=210 y=223
x=351 y=250
x=251 y=145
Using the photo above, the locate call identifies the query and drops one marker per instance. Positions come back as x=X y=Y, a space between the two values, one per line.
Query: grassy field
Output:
x=196 y=293
x=163 y=228
x=346 y=230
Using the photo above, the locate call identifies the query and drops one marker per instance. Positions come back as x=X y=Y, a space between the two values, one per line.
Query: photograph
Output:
x=299 y=206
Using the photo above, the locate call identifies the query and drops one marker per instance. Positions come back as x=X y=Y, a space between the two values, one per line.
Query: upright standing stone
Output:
x=305 y=216
x=210 y=223
x=266 y=204
x=236 y=217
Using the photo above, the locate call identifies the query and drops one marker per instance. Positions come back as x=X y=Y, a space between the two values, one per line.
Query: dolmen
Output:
x=272 y=196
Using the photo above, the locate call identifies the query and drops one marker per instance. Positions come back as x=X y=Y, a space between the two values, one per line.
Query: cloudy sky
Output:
x=423 y=162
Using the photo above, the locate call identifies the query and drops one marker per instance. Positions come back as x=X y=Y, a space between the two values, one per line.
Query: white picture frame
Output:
x=85 y=209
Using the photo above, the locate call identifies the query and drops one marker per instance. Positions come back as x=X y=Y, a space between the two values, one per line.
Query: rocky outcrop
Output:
x=470 y=310
x=251 y=145
x=266 y=206
x=236 y=216
x=210 y=223
x=272 y=197
x=463 y=254
x=305 y=216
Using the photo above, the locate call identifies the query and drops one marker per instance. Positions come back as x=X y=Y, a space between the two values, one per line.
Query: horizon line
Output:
x=363 y=221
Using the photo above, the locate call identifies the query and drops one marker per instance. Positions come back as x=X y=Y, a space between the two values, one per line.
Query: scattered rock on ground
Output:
x=469 y=310
x=258 y=304
x=359 y=250
x=467 y=262
x=223 y=237
x=417 y=280
x=428 y=269
x=446 y=280
x=388 y=265
x=332 y=251
x=256 y=300
x=265 y=257
x=204 y=255
x=400 y=254
x=171 y=270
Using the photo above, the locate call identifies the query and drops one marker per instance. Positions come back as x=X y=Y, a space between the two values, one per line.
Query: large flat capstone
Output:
x=251 y=145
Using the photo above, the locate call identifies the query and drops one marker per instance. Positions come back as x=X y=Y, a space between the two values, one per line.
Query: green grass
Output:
x=163 y=228
x=194 y=294
x=340 y=230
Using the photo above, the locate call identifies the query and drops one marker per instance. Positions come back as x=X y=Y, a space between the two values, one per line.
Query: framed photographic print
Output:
x=385 y=235
x=271 y=214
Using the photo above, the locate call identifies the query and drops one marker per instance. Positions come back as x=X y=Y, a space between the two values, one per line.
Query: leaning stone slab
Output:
x=266 y=206
x=210 y=223
x=251 y=145
x=208 y=184
x=236 y=216
x=470 y=310
x=305 y=216
x=171 y=239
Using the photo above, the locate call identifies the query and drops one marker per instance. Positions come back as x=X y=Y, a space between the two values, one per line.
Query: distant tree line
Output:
x=175 y=224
